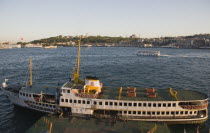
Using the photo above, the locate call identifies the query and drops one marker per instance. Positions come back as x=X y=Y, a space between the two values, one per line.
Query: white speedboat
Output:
x=148 y=53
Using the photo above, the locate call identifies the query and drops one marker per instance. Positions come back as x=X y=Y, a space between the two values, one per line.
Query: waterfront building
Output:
x=32 y=46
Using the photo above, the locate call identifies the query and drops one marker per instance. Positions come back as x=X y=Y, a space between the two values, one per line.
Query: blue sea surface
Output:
x=114 y=66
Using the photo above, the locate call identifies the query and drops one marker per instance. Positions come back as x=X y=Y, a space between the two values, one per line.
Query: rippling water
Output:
x=115 y=66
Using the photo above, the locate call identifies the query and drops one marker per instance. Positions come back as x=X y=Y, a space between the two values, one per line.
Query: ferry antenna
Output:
x=76 y=74
x=31 y=79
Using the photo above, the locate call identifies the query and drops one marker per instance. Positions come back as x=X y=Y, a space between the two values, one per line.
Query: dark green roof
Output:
x=162 y=94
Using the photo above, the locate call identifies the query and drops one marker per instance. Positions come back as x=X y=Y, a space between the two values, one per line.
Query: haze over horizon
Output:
x=38 y=19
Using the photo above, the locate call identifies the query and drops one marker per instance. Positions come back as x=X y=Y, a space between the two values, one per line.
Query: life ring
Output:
x=185 y=107
x=83 y=95
x=79 y=95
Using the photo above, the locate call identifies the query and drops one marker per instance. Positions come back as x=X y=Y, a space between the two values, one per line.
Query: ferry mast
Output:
x=76 y=74
x=30 y=65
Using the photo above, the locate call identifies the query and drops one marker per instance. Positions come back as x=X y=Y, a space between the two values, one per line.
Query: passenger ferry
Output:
x=148 y=53
x=89 y=98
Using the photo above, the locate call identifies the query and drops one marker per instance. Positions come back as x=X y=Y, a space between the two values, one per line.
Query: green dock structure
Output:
x=54 y=124
x=93 y=125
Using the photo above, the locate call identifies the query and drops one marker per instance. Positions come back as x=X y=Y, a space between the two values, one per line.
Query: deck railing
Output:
x=162 y=117
x=194 y=106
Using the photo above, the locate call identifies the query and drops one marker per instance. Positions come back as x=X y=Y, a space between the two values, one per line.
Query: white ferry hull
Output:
x=22 y=103
x=140 y=111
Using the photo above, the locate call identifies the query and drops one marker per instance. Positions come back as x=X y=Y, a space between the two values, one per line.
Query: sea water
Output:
x=114 y=66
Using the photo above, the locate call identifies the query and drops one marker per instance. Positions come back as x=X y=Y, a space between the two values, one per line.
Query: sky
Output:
x=37 y=19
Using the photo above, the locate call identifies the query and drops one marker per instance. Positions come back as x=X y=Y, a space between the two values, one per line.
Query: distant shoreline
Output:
x=208 y=48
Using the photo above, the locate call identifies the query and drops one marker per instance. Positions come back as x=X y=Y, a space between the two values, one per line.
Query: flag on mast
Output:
x=21 y=38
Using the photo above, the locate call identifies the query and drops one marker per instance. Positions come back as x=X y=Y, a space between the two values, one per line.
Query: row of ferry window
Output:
x=25 y=94
x=47 y=105
x=75 y=101
x=122 y=103
x=158 y=112
x=137 y=104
